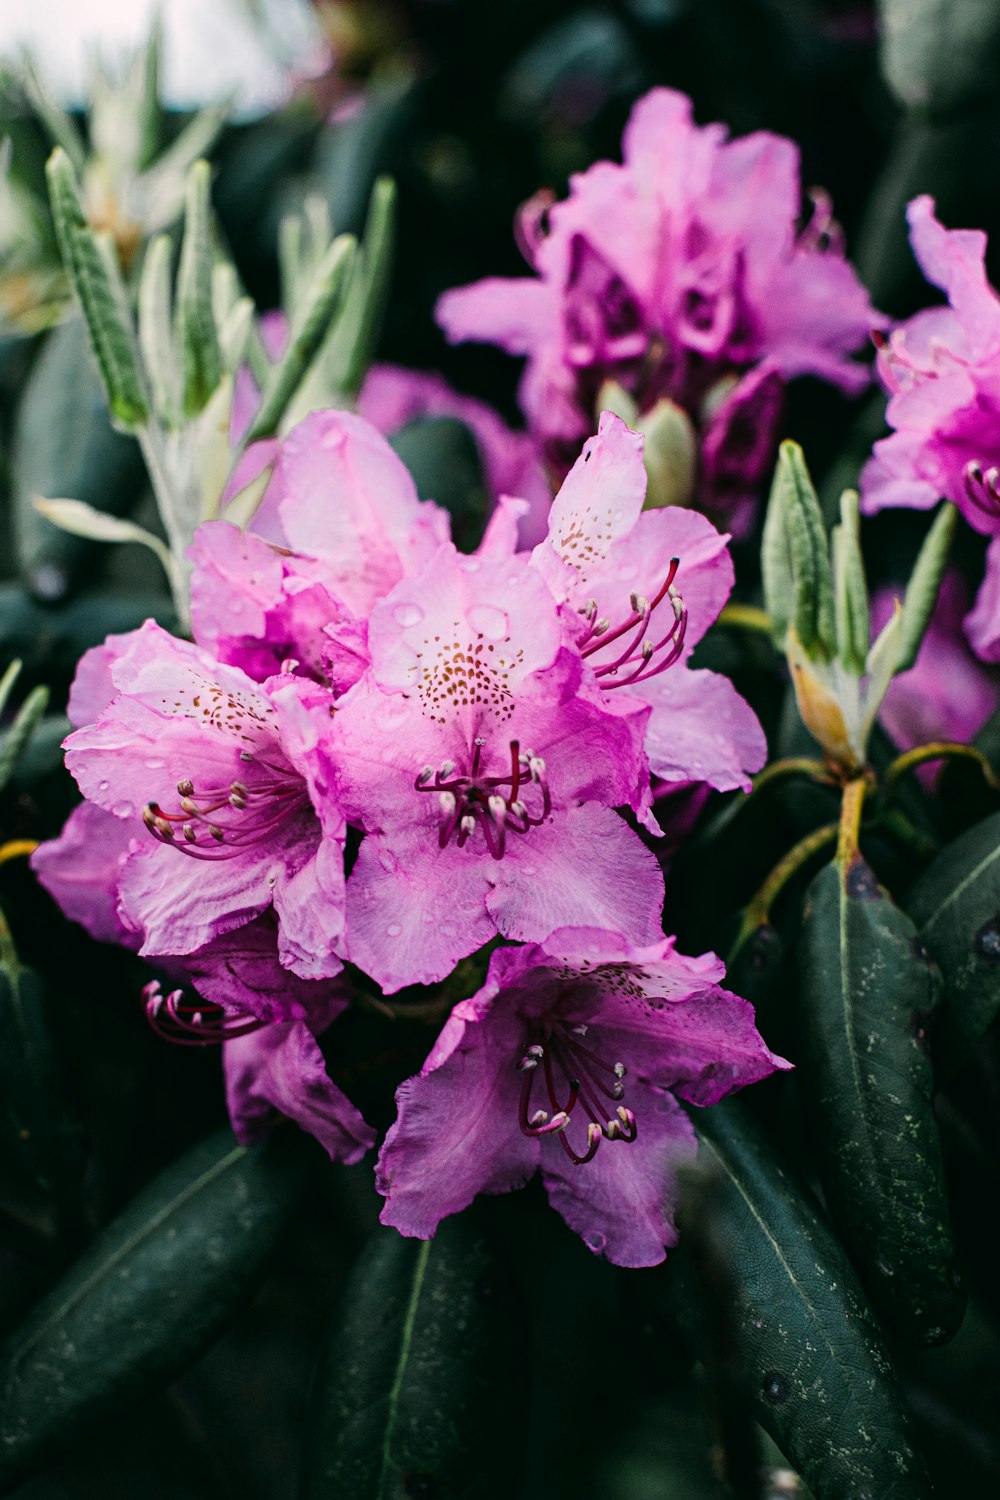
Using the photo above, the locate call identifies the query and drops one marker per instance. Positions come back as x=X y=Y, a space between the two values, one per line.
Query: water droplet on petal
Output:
x=390 y=713
x=595 y=1240
x=393 y=929
x=104 y=786
x=493 y=623
x=123 y=809
x=155 y=765
x=407 y=614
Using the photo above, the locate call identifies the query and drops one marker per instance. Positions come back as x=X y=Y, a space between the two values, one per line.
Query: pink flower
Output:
x=639 y=589
x=948 y=694
x=340 y=525
x=485 y=769
x=677 y=274
x=237 y=815
x=942 y=370
x=268 y=1021
x=570 y=1061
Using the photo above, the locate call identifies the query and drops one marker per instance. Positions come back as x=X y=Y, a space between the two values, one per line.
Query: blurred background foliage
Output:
x=605 y=1384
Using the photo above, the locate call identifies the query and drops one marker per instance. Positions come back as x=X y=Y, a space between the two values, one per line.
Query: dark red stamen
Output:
x=193 y=1024
x=561 y=1052
x=492 y=804
x=642 y=658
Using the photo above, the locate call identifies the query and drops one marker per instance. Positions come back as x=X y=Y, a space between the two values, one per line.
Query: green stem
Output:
x=757 y=912
x=849 y=826
x=746 y=617
x=939 y=750
x=899 y=828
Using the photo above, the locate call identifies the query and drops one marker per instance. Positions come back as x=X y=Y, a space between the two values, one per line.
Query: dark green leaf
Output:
x=956 y=906
x=39 y=1135
x=422 y=1387
x=868 y=992
x=51 y=639
x=64 y=445
x=810 y=1350
x=442 y=456
x=148 y=1296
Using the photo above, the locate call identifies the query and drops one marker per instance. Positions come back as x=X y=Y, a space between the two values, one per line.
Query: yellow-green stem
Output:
x=939 y=750
x=849 y=828
x=746 y=617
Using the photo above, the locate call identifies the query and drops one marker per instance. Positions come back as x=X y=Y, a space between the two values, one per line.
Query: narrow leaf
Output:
x=421 y=1389
x=60 y=126
x=956 y=906
x=97 y=283
x=922 y=589
x=201 y=357
x=156 y=337
x=867 y=1083
x=850 y=591
x=14 y=741
x=812 y=1355
x=319 y=306
x=149 y=1295
x=357 y=333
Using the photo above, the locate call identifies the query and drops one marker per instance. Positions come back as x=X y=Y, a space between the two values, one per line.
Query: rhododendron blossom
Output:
x=485 y=769
x=680 y=274
x=223 y=792
x=570 y=1061
x=942 y=370
x=640 y=588
x=340 y=524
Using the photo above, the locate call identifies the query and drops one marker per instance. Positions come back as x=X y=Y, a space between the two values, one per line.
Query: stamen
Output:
x=193 y=1025
x=494 y=804
x=261 y=807
x=983 y=489
x=566 y=1062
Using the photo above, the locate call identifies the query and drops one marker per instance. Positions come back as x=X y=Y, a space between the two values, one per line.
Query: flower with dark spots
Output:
x=570 y=1061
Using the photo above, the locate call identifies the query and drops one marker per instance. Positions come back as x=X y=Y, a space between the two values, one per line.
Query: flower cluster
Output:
x=680 y=282
x=942 y=371
x=383 y=752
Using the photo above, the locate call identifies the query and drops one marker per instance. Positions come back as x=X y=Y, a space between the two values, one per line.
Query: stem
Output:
x=150 y=438
x=939 y=750
x=794 y=765
x=14 y=848
x=849 y=826
x=746 y=617
x=757 y=912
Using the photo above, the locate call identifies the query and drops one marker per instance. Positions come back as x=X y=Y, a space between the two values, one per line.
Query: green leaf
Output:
x=922 y=589
x=940 y=56
x=89 y=461
x=850 y=591
x=51 y=639
x=98 y=286
x=804 y=1337
x=442 y=455
x=16 y=737
x=798 y=588
x=81 y=519
x=319 y=306
x=39 y=1134
x=869 y=992
x=60 y=126
x=197 y=337
x=156 y=338
x=155 y=1288
x=956 y=906
x=352 y=345
x=423 y=1379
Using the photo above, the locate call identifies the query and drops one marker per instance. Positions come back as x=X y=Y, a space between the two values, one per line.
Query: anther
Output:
x=601 y=625
x=467 y=825
x=539 y=1117
x=185 y=788
x=498 y=809
x=216 y=832
x=447 y=804
x=639 y=603
x=424 y=775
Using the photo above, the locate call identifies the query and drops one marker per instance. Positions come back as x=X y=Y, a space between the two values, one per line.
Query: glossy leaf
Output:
x=422 y=1387
x=155 y=1288
x=39 y=1134
x=868 y=991
x=442 y=456
x=956 y=906
x=815 y=1366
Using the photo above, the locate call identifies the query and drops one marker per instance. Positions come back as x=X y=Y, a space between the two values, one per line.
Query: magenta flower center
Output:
x=220 y=822
x=638 y=654
x=578 y=1084
x=468 y=801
